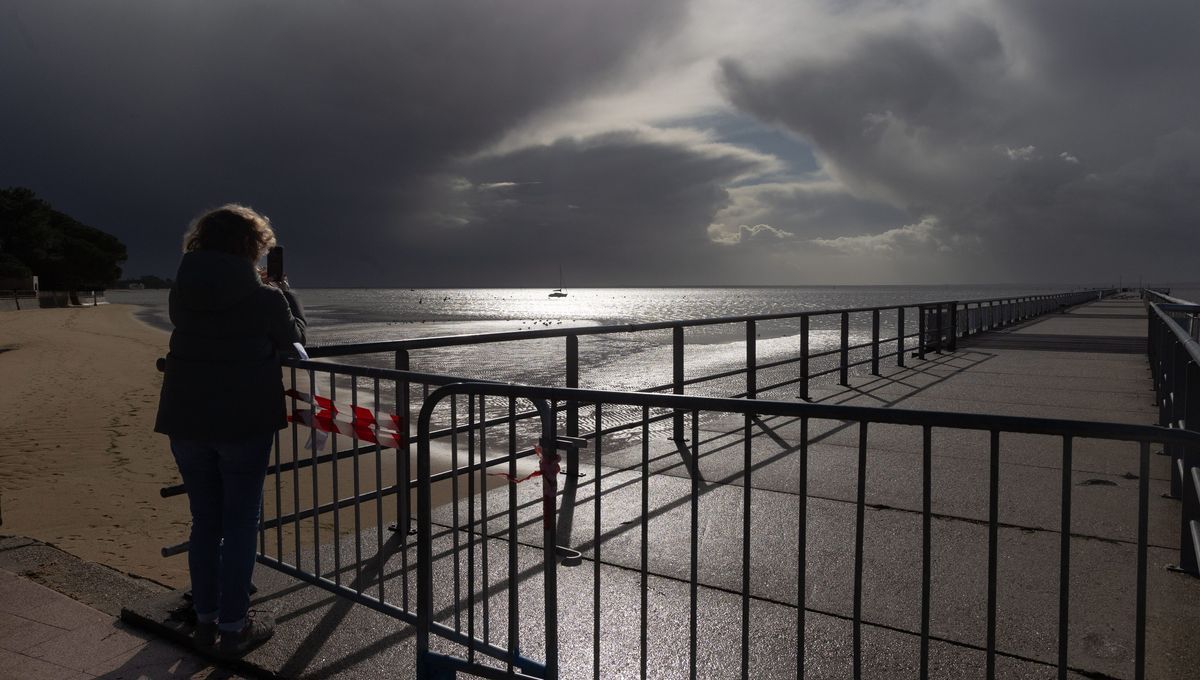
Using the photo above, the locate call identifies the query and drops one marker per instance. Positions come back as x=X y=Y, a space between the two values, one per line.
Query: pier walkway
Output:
x=1086 y=364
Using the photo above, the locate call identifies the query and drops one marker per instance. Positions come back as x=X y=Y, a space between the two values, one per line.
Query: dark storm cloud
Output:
x=330 y=117
x=622 y=208
x=1045 y=140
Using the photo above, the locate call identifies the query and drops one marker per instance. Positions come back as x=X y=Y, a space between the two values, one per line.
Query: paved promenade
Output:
x=1088 y=364
x=48 y=635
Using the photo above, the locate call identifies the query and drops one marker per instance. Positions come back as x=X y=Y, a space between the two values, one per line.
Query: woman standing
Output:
x=221 y=404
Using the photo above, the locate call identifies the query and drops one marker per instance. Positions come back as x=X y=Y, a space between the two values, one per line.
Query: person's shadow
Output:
x=161 y=660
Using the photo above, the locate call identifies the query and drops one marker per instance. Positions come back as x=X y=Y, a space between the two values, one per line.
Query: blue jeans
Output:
x=224 y=483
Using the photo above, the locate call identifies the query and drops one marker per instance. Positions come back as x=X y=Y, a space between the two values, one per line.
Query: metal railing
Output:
x=489 y=631
x=15 y=296
x=1174 y=354
x=919 y=328
x=326 y=506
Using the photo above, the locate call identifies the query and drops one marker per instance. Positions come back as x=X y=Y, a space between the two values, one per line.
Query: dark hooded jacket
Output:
x=222 y=379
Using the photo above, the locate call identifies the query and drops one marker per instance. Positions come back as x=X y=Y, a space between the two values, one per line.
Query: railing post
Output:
x=572 y=381
x=804 y=357
x=844 y=373
x=403 y=472
x=953 y=326
x=677 y=375
x=1189 y=538
x=900 y=337
x=1176 y=385
x=751 y=361
x=921 y=332
x=874 y=342
x=941 y=328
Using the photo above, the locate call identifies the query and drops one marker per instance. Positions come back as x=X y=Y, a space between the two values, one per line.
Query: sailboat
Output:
x=558 y=292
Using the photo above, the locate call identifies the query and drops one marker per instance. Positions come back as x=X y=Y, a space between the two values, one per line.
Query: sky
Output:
x=634 y=143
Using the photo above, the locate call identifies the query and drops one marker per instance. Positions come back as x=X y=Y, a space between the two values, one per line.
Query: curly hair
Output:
x=232 y=228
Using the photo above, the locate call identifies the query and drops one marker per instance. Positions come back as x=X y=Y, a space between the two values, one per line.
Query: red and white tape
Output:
x=354 y=421
x=544 y=464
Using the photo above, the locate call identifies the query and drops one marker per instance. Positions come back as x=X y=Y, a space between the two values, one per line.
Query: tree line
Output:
x=65 y=254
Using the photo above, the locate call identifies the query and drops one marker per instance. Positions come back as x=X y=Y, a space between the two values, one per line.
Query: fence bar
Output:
x=645 y=544
x=1189 y=539
x=694 y=565
x=860 y=519
x=875 y=342
x=751 y=361
x=357 y=497
x=922 y=331
x=926 y=514
x=454 y=533
x=483 y=509
x=596 y=477
x=295 y=477
x=403 y=405
x=1064 y=562
x=953 y=326
x=940 y=329
x=804 y=358
x=900 y=337
x=337 y=526
x=470 y=527
x=316 y=499
x=802 y=542
x=572 y=380
x=747 y=488
x=514 y=609
x=549 y=536
x=380 y=555
x=993 y=551
x=677 y=375
x=845 y=353
x=1139 y=669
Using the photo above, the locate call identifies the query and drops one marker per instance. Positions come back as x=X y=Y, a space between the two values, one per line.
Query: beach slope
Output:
x=80 y=464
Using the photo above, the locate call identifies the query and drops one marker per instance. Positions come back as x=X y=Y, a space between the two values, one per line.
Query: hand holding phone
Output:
x=275 y=264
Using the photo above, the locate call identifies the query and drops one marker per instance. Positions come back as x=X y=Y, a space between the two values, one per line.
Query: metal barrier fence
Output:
x=1174 y=354
x=15 y=296
x=327 y=491
x=326 y=506
x=470 y=614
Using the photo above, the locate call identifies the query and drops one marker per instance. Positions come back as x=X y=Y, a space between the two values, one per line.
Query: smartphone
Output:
x=275 y=263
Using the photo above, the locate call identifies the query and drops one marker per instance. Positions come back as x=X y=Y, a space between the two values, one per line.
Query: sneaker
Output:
x=205 y=636
x=260 y=626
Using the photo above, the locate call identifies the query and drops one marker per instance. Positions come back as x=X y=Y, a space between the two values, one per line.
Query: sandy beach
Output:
x=80 y=464
x=81 y=467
